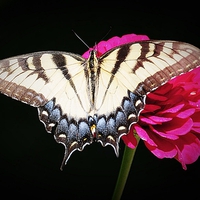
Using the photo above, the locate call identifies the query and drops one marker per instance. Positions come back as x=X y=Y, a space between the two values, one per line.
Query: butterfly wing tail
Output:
x=74 y=135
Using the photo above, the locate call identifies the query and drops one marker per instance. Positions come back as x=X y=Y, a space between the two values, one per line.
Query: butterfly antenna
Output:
x=80 y=39
x=106 y=33
x=96 y=46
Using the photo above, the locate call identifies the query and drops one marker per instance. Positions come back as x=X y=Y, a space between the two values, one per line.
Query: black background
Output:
x=29 y=157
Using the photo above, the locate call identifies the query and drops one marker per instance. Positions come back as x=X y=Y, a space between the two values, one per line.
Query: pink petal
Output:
x=186 y=113
x=155 y=120
x=144 y=135
x=151 y=108
x=159 y=130
x=164 y=148
x=174 y=128
x=188 y=149
x=182 y=129
x=115 y=41
x=159 y=119
x=147 y=120
x=129 y=139
x=157 y=97
x=174 y=109
x=133 y=38
x=196 y=128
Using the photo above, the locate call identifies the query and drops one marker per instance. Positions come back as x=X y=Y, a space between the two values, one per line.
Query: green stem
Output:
x=124 y=171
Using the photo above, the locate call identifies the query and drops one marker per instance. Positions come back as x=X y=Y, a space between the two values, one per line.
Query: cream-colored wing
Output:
x=54 y=82
x=39 y=77
x=144 y=66
x=127 y=73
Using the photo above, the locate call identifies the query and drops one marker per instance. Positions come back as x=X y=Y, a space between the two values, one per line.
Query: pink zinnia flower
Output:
x=169 y=125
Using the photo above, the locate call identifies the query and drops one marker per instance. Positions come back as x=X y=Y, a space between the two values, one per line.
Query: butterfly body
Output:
x=96 y=99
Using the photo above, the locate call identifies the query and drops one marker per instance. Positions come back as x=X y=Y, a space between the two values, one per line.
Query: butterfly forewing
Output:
x=95 y=99
x=151 y=63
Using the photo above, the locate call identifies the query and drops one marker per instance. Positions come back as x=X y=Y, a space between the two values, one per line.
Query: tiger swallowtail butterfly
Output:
x=96 y=99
